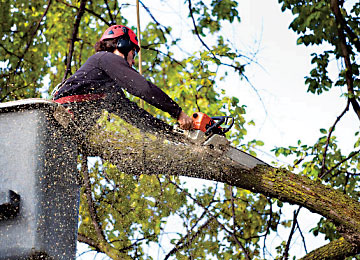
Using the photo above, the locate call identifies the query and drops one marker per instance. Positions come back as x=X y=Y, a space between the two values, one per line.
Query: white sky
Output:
x=291 y=112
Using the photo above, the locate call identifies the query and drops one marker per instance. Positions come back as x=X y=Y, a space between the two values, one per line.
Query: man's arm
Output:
x=129 y=79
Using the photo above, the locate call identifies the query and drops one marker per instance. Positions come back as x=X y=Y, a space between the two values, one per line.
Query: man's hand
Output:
x=185 y=121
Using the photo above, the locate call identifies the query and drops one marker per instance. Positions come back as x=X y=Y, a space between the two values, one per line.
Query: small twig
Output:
x=109 y=10
x=189 y=238
x=347 y=177
x=247 y=257
x=87 y=10
x=32 y=36
x=353 y=174
x=154 y=19
x=329 y=136
x=286 y=252
x=339 y=163
x=165 y=54
x=302 y=236
x=91 y=206
x=267 y=227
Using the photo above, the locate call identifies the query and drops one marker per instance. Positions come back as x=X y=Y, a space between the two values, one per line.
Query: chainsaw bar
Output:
x=220 y=145
x=244 y=159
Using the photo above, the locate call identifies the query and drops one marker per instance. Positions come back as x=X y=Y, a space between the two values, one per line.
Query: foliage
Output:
x=134 y=212
x=334 y=26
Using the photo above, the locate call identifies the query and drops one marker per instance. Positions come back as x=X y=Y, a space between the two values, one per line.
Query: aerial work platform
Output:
x=39 y=183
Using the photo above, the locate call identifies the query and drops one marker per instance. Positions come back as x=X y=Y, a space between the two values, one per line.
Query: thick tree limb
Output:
x=332 y=251
x=84 y=239
x=134 y=154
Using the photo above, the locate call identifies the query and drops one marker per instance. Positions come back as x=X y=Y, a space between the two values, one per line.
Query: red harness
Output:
x=79 y=98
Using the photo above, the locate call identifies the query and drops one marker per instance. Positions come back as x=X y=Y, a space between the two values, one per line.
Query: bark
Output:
x=137 y=153
x=334 y=250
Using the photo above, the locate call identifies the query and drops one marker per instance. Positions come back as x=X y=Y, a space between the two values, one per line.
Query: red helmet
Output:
x=115 y=31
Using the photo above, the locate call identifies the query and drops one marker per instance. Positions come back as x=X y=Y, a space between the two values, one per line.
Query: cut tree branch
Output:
x=197 y=161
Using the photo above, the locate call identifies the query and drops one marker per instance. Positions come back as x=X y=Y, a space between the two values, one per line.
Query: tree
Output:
x=122 y=211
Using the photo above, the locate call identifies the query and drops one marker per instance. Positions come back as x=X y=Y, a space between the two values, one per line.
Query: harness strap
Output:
x=79 y=98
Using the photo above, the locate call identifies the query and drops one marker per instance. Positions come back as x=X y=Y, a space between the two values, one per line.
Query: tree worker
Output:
x=100 y=82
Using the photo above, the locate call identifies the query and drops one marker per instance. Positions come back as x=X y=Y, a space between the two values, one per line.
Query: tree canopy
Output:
x=121 y=214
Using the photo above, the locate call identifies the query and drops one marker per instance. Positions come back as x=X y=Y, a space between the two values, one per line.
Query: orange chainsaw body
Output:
x=201 y=121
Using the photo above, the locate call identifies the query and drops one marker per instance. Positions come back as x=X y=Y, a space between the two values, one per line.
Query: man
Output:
x=100 y=82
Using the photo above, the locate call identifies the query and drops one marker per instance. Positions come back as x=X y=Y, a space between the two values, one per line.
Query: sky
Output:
x=287 y=112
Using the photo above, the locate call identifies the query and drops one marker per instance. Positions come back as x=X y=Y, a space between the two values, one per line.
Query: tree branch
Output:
x=109 y=10
x=196 y=161
x=87 y=10
x=236 y=68
x=91 y=206
x=32 y=36
x=353 y=38
x=84 y=239
x=79 y=15
x=187 y=240
x=337 y=249
x=352 y=154
x=323 y=167
x=302 y=236
x=154 y=19
x=21 y=57
x=294 y=224
x=247 y=257
x=344 y=48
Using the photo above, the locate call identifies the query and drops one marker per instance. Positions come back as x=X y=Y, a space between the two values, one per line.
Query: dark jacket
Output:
x=108 y=73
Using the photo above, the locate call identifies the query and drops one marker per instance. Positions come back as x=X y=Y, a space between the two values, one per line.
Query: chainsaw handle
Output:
x=225 y=130
x=219 y=120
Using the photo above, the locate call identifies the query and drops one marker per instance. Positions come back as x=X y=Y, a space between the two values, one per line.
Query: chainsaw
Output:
x=210 y=132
